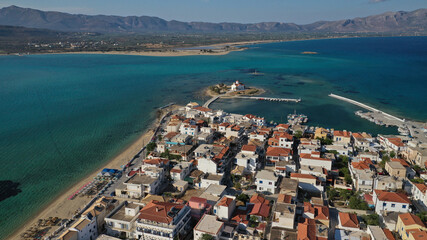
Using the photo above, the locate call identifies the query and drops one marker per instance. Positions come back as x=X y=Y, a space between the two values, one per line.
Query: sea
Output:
x=63 y=116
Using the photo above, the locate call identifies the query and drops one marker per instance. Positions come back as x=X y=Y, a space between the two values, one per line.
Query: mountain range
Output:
x=389 y=22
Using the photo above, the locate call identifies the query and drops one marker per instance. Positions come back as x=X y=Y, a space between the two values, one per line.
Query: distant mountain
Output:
x=390 y=22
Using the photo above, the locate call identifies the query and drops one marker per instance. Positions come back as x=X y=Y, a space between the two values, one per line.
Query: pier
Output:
x=386 y=115
x=213 y=99
x=273 y=99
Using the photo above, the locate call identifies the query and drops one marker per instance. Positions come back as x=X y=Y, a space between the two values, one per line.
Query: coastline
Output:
x=63 y=208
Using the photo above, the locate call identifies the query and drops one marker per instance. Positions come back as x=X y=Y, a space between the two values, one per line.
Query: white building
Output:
x=121 y=221
x=307 y=159
x=225 y=207
x=208 y=225
x=390 y=202
x=163 y=221
x=138 y=186
x=266 y=181
x=191 y=130
x=237 y=86
x=284 y=215
x=419 y=193
x=248 y=158
x=181 y=170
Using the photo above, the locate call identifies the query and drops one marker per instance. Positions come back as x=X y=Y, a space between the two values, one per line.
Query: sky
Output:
x=241 y=11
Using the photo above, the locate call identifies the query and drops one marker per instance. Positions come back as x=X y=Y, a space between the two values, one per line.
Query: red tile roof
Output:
x=388 y=234
x=360 y=165
x=283 y=198
x=411 y=219
x=321 y=212
x=225 y=202
x=391 y=196
x=198 y=200
x=249 y=148
x=156 y=161
x=368 y=198
x=418 y=234
x=308 y=156
x=348 y=220
x=285 y=126
x=302 y=175
x=396 y=141
x=307 y=230
x=202 y=109
x=158 y=211
x=421 y=186
x=278 y=152
x=403 y=162
x=341 y=133
x=171 y=135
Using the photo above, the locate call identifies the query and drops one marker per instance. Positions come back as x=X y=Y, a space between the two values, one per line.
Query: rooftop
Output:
x=160 y=212
x=141 y=179
x=209 y=224
x=267 y=175
x=348 y=220
x=391 y=196
x=411 y=219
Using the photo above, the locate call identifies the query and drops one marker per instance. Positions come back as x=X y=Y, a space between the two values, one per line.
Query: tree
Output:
x=417 y=180
x=385 y=159
x=243 y=197
x=206 y=236
x=356 y=202
x=325 y=141
x=392 y=154
x=151 y=146
x=237 y=186
x=332 y=193
x=298 y=134
x=422 y=216
x=372 y=219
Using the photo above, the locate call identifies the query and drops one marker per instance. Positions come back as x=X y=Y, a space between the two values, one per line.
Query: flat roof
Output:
x=209 y=224
x=121 y=215
x=141 y=179
x=215 y=189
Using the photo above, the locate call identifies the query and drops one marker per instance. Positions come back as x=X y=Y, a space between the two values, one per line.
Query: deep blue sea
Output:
x=63 y=116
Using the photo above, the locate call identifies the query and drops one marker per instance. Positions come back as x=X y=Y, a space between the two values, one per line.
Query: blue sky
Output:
x=244 y=11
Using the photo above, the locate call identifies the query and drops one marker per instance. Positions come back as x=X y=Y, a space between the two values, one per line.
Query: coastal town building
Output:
x=266 y=181
x=408 y=223
x=162 y=220
x=395 y=169
x=208 y=224
x=348 y=221
x=138 y=186
x=121 y=221
x=390 y=202
x=237 y=86
x=225 y=207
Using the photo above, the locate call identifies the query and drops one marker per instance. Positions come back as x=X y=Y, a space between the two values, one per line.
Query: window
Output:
x=269 y=183
x=260 y=181
x=384 y=204
x=393 y=205
x=403 y=206
x=260 y=188
x=214 y=211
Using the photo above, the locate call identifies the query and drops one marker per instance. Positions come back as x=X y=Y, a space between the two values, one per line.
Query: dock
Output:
x=273 y=99
x=213 y=99
x=362 y=105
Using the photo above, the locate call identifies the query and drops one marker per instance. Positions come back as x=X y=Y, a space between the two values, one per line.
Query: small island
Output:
x=235 y=89
x=309 y=53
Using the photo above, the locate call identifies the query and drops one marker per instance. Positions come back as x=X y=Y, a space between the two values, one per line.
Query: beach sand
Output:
x=63 y=208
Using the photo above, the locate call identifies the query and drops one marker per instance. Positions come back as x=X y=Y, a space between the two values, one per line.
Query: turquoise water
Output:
x=62 y=116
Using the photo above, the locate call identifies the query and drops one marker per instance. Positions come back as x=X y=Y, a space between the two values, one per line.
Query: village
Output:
x=208 y=174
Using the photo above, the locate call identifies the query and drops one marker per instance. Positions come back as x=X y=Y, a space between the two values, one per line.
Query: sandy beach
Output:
x=63 y=208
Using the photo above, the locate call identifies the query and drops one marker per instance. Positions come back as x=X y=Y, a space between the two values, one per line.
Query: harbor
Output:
x=405 y=127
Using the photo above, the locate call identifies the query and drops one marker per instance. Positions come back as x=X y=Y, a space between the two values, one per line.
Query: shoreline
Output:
x=63 y=208
x=236 y=47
